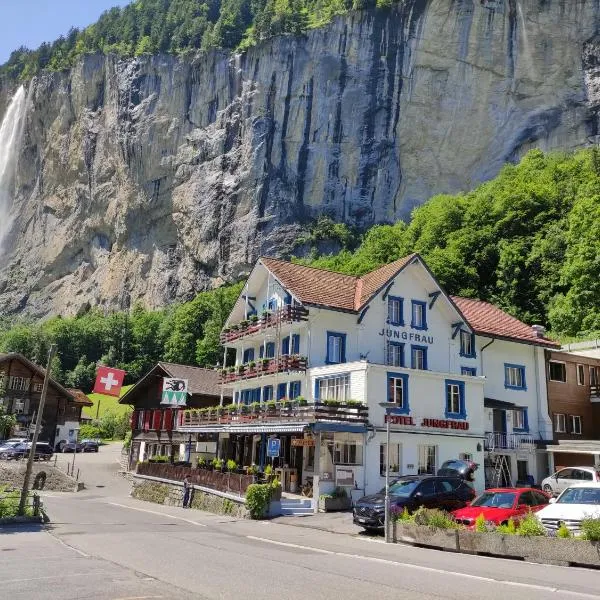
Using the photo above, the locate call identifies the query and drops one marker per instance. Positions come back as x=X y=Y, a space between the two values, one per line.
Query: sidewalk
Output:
x=334 y=522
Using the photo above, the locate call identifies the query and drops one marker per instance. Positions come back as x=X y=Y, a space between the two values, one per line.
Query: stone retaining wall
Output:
x=13 y=472
x=170 y=493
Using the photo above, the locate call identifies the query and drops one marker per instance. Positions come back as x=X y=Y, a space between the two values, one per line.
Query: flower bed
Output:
x=533 y=548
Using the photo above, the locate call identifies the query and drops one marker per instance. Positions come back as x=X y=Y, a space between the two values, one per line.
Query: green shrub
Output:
x=159 y=458
x=217 y=464
x=404 y=516
x=258 y=497
x=507 y=529
x=483 y=526
x=435 y=519
x=563 y=532
x=590 y=530
x=268 y=470
x=231 y=465
x=202 y=464
x=530 y=526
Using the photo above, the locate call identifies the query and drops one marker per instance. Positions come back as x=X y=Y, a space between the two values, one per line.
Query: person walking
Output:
x=187 y=492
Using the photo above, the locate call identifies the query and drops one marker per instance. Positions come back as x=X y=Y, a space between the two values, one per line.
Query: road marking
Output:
x=81 y=553
x=138 y=597
x=155 y=512
x=395 y=563
x=63 y=576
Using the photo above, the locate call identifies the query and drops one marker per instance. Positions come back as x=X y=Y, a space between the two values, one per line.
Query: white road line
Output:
x=385 y=561
x=63 y=576
x=68 y=546
x=138 y=597
x=155 y=512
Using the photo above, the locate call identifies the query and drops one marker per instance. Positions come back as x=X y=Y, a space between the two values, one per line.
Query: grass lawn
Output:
x=107 y=404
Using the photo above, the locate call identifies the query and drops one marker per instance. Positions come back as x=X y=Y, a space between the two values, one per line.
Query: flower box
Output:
x=334 y=504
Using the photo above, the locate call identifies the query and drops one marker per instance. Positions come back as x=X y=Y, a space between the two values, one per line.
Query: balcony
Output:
x=264 y=366
x=495 y=441
x=595 y=393
x=269 y=319
x=271 y=412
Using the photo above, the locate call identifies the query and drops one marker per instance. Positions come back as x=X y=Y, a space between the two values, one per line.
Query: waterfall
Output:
x=10 y=137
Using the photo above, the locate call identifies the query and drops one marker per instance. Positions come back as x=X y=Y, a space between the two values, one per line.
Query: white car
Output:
x=565 y=478
x=576 y=503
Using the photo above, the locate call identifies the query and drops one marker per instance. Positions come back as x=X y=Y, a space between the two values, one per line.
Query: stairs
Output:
x=296 y=507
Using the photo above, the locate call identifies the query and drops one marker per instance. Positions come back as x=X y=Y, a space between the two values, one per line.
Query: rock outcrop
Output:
x=153 y=178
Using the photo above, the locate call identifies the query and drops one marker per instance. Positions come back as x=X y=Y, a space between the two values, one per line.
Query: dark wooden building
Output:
x=21 y=383
x=154 y=425
x=574 y=407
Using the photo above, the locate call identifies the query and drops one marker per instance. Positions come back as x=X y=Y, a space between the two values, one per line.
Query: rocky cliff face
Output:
x=154 y=178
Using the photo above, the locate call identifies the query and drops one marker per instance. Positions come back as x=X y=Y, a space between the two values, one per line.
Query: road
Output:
x=102 y=544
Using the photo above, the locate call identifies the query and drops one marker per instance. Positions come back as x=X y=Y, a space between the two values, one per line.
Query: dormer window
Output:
x=419 y=314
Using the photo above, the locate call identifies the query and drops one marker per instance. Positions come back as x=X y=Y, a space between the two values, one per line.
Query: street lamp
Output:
x=386 y=406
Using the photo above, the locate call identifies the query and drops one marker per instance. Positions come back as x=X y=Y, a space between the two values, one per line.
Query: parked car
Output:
x=574 y=504
x=72 y=447
x=12 y=449
x=498 y=505
x=90 y=445
x=411 y=492
x=565 y=478
x=43 y=451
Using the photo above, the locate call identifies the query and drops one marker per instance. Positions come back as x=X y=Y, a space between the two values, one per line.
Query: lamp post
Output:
x=386 y=406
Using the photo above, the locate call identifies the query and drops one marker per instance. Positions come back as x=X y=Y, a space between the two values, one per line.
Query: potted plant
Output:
x=264 y=363
x=337 y=500
x=301 y=401
x=241 y=369
x=271 y=406
x=251 y=365
x=235 y=327
x=276 y=490
x=202 y=463
x=253 y=319
x=231 y=465
x=244 y=324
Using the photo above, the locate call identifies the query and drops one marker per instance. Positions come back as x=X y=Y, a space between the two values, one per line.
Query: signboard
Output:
x=430 y=423
x=109 y=381
x=174 y=392
x=303 y=442
x=344 y=476
x=273 y=447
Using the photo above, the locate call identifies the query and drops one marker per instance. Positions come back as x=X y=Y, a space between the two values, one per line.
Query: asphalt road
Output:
x=102 y=544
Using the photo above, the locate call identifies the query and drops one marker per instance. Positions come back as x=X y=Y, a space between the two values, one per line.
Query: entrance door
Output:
x=499 y=421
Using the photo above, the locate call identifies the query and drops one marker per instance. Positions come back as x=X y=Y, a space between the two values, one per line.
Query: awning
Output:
x=591 y=448
x=492 y=403
x=340 y=427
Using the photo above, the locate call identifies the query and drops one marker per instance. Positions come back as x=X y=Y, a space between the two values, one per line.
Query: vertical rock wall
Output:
x=153 y=178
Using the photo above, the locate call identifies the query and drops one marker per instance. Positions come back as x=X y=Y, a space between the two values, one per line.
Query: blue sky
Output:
x=31 y=22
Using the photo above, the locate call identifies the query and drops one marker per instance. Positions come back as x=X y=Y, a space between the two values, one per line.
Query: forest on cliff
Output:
x=527 y=241
x=179 y=27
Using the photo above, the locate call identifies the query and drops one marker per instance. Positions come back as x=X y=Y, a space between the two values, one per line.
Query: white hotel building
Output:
x=460 y=378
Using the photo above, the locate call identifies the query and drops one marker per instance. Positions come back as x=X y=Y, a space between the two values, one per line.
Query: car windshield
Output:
x=9 y=444
x=495 y=500
x=403 y=487
x=580 y=495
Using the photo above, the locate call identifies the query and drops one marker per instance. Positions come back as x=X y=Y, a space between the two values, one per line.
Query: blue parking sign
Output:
x=273 y=447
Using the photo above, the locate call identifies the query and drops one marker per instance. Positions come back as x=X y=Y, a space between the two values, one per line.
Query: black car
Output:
x=412 y=492
x=90 y=445
x=43 y=451
x=14 y=451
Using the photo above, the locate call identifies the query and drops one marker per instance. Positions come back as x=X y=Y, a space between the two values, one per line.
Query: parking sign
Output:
x=273 y=447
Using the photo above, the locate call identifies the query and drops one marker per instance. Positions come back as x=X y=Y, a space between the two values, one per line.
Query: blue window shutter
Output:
x=270 y=349
x=268 y=393
x=261 y=351
x=294 y=389
x=288 y=298
x=281 y=391
x=285 y=345
x=343 y=348
x=295 y=343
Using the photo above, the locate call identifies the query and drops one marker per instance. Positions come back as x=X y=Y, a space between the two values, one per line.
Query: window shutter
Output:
x=261 y=351
x=168 y=420
x=285 y=346
x=281 y=391
x=134 y=419
x=147 y=418
x=156 y=419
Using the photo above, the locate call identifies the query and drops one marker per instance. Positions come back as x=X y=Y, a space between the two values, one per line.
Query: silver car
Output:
x=565 y=478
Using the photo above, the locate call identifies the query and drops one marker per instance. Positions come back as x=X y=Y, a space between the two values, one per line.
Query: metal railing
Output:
x=264 y=366
x=595 y=391
x=270 y=412
x=287 y=314
x=495 y=440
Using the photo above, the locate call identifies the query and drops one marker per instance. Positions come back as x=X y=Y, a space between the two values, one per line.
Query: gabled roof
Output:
x=80 y=398
x=319 y=287
x=4 y=357
x=489 y=320
x=202 y=382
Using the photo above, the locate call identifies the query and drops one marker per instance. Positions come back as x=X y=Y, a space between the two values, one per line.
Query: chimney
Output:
x=539 y=330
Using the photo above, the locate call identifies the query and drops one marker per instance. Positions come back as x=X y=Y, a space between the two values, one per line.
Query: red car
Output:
x=498 y=505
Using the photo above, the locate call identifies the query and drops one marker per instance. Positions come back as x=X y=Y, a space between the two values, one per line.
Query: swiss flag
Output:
x=109 y=381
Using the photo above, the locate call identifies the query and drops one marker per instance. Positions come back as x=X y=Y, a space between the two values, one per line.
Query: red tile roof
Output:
x=327 y=288
x=346 y=292
x=486 y=319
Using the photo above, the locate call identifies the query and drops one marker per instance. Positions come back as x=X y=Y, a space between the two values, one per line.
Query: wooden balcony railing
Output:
x=265 y=366
x=269 y=412
x=496 y=440
x=287 y=314
x=594 y=391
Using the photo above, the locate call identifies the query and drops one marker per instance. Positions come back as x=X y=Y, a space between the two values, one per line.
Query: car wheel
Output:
x=96 y=449
x=548 y=489
x=371 y=530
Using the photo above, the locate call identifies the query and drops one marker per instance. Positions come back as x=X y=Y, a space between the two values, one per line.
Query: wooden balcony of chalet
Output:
x=264 y=366
x=290 y=411
x=257 y=324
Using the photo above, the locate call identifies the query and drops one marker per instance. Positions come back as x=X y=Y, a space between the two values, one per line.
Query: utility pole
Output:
x=38 y=424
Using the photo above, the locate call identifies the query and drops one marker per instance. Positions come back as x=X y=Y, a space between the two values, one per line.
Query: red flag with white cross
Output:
x=109 y=381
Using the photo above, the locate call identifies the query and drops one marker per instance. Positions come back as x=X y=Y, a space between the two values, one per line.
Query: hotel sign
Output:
x=427 y=423
x=406 y=336
x=303 y=442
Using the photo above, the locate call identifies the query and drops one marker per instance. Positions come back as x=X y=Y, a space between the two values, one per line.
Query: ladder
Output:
x=500 y=472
